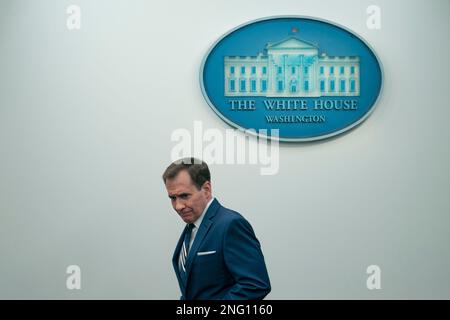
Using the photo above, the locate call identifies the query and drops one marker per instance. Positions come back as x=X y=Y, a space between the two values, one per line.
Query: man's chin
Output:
x=187 y=218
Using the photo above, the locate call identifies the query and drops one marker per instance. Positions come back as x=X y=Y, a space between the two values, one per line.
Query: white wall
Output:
x=85 y=124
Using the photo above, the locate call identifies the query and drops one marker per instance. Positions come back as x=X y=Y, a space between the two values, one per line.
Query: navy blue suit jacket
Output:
x=225 y=260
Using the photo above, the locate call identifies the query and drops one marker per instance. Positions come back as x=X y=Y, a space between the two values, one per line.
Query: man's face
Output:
x=187 y=200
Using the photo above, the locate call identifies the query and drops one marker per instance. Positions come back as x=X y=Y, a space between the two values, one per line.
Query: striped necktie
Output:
x=185 y=249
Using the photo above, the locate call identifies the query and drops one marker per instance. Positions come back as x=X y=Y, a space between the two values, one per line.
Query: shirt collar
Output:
x=198 y=222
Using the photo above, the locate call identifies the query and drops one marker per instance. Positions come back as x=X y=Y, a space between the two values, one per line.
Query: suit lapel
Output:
x=201 y=233
x=175 y=258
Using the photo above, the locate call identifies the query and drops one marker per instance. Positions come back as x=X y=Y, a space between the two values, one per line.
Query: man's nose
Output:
x=179 y=205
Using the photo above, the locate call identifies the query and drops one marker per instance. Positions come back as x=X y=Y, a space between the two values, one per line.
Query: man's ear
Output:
x=207 y=187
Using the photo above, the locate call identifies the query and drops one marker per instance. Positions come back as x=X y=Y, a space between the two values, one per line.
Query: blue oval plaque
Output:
x=306 y=77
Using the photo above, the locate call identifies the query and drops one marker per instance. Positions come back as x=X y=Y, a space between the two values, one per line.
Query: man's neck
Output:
x=198 y=222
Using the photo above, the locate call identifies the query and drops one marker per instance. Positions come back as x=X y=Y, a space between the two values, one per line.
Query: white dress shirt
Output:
x=198 y=222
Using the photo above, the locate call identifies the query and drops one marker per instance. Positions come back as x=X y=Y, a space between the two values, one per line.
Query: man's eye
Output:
x=184 y=196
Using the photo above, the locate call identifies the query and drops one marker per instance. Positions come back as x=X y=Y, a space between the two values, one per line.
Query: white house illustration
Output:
x=291 y=68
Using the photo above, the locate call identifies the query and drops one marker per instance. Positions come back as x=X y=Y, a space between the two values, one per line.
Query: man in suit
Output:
x=218 y=255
